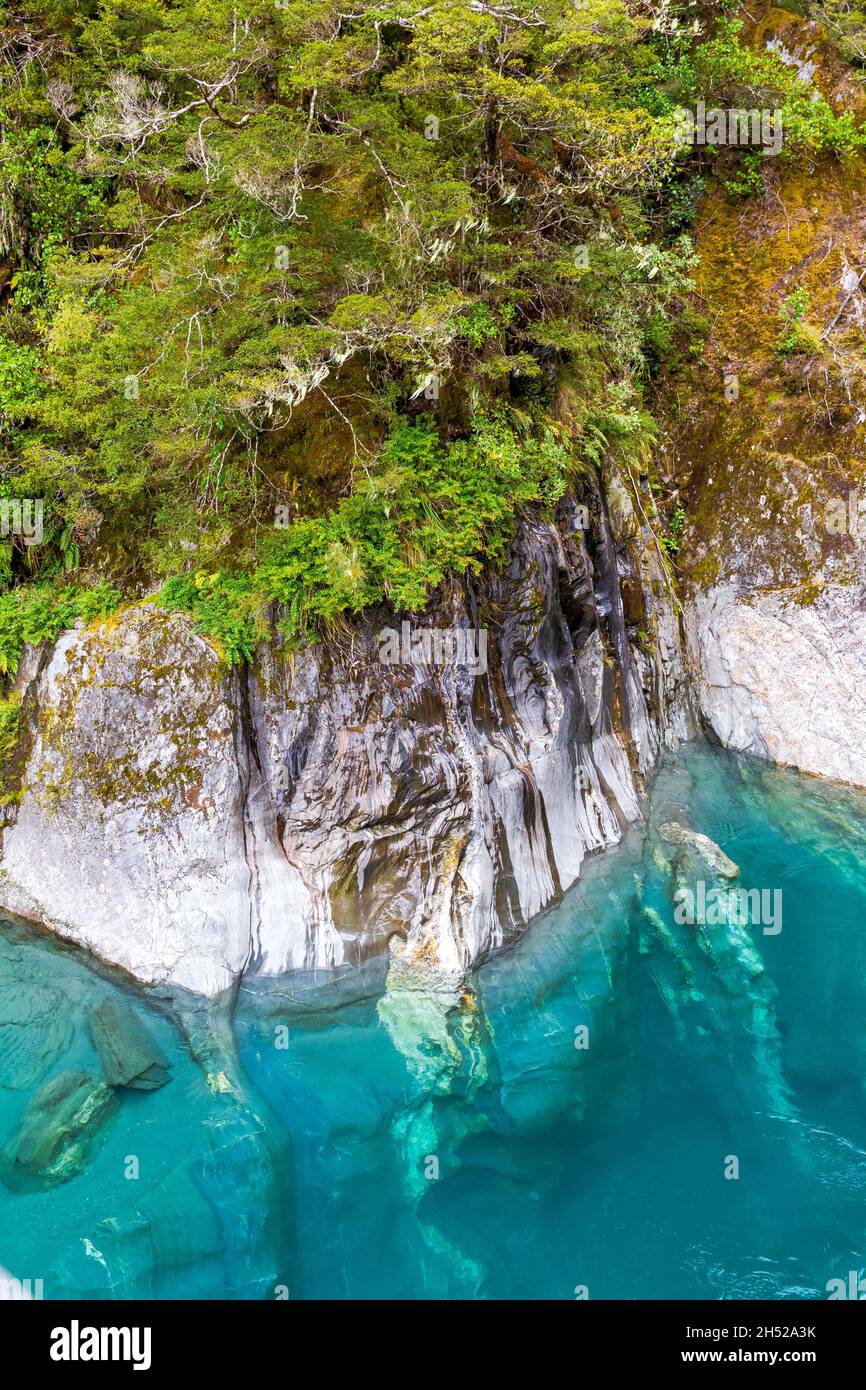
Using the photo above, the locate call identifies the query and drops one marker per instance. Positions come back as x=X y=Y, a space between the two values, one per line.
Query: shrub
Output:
x=34 y=613
x=425 y=511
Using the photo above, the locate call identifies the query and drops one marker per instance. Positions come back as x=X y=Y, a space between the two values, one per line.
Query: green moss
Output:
x=10 y=722
x=767 y=422
x=110 y=766
x=807 y=593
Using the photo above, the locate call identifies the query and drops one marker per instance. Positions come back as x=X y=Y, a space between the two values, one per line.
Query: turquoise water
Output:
x=343 y=1137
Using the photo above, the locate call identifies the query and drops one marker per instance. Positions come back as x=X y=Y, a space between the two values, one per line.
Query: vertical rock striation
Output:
x=189 y=823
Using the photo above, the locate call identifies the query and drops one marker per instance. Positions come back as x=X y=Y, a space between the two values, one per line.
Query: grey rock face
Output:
x=129 y=838
x=460 y=805
x=771 y=479
x=188 y=823
x=783 y=679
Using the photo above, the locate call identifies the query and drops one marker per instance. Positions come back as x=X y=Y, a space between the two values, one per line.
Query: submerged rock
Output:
x=128 y=1053
x=715 y=859
x=59 y=1129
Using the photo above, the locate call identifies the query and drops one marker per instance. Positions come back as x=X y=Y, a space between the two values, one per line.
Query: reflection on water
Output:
x=565 y=1120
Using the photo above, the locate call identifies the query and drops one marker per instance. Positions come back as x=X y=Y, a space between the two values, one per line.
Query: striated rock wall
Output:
x=190 y=823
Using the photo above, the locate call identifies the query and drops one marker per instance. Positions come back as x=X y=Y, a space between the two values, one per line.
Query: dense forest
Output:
x=303 y=304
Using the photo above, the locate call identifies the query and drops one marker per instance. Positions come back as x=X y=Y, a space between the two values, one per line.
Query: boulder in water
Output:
x=128 y=1053
x=715 y=859
x=58 y=1131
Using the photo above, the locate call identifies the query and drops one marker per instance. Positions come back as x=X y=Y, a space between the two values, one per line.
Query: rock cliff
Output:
x=189 y=823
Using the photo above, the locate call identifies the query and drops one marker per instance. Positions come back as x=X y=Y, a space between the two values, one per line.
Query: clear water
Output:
x=296 y=1150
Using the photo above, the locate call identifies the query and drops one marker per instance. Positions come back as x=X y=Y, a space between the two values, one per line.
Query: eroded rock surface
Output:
x=188 y=823
x=129 y=838
x=786 y=681
x=711 y=854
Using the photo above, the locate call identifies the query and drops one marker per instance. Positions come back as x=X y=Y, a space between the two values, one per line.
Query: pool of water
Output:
x=619 y=1105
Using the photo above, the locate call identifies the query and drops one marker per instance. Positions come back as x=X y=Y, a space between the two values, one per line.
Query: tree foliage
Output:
x=247 y=250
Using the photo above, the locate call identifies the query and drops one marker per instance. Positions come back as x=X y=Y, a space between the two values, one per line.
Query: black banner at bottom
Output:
x=146 y=1338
